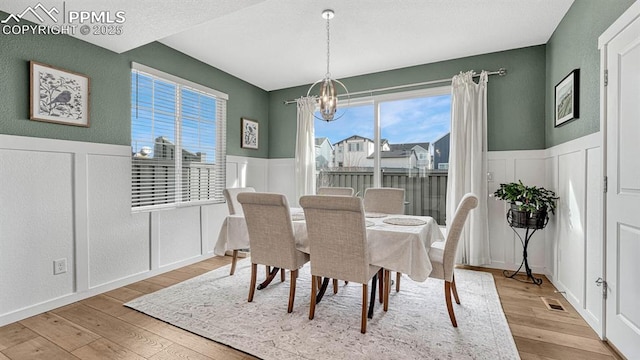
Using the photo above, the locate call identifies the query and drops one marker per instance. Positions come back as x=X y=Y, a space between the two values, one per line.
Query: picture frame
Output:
x=567 y=105
x=249 y=134
x=58 y=96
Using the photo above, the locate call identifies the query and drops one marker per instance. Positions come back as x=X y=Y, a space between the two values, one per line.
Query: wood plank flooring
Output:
x=102 y=328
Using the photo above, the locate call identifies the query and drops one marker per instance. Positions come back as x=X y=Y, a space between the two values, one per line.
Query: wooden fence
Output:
x=425 y=193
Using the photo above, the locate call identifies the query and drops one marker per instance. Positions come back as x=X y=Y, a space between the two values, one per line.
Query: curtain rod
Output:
x=501 y=72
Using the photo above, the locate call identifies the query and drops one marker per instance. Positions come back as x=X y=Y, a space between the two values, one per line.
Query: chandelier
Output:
x=328 y=96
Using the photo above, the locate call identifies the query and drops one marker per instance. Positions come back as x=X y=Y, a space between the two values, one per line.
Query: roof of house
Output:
x=354 y=137
x=442 y=137
x=320 y=140
x=402 y=154
x=408 y=146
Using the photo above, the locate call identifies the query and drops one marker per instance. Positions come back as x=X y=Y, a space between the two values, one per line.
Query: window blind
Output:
x=178 y=140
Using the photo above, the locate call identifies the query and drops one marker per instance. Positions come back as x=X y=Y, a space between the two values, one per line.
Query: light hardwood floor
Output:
x=101 y=328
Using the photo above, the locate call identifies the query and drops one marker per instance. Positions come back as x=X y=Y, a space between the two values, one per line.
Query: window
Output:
x=395 y=133
x=178 y=141
x=355 y=147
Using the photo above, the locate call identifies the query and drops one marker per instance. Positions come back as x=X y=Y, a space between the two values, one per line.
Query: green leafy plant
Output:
x=527 y=198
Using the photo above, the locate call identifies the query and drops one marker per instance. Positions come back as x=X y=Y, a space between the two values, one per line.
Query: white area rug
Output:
x=417 y=326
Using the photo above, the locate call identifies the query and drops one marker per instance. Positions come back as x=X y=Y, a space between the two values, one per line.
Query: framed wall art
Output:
x=566 y=104
x=249 y=134
x=58 y=96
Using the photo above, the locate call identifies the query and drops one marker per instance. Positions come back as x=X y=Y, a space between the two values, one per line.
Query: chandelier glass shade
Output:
x=328 y=95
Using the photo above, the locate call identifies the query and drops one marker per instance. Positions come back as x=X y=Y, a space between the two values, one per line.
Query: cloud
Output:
x=422 y=119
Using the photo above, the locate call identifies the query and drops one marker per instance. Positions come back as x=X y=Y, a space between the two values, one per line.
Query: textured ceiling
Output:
x=276 y=44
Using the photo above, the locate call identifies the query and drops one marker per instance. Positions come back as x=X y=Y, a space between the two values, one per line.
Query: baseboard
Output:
x=48 y=305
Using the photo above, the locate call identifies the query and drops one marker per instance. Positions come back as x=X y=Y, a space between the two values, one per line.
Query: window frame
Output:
x=219 y=164
x=376 y=101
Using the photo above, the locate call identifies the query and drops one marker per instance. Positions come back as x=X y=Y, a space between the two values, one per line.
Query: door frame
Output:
x=629 y=16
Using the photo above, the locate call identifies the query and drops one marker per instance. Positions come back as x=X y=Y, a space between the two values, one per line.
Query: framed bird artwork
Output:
x=58 y=96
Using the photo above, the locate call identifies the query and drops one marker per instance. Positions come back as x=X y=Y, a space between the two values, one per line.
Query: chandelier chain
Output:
x=328 y=74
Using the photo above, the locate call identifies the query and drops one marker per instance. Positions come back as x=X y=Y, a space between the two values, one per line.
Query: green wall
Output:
x=515 y=102
x=110 y=83
x=520 y=113
x=574 y=45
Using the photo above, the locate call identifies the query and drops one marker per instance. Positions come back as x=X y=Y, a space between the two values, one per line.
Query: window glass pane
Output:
x=171 y=124
x=344 y=149
x=412 y=129
x=414 y=150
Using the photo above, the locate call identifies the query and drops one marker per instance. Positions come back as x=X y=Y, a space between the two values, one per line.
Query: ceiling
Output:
x=276 y=44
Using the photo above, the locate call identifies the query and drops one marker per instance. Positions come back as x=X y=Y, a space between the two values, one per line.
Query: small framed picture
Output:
x=58 y=96
x=566 y=105
x=249 y=134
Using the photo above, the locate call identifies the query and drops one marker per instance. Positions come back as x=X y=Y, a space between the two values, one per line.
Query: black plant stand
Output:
x=514 y=218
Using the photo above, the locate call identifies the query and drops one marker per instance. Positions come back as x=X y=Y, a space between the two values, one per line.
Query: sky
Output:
x=423 y=119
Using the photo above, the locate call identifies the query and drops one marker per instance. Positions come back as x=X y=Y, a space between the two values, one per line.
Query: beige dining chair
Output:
x=272 y=239
x=442 y=253
x=338 y=249
x=385 y=200
x=230 y=195
x=327 y=190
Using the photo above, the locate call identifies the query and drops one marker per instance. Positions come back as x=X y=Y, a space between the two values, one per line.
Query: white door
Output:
x=623 y=195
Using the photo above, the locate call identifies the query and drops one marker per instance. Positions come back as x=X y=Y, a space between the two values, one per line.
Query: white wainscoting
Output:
x=282 y=176
x=506 y=248
x=68 y=199
x=71 y=200
x=575 y=241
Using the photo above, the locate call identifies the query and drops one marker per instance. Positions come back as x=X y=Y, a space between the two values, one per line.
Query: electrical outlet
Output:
x=59 y=266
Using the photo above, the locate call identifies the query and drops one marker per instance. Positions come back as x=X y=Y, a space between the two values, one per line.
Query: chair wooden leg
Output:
x=372 y=301
x=292 y=289
x=268 y=270
x=365 y=293
x=398 y=275
x=269 y=278
x=454 y=290
x=387 y=285
x=234 y=259
x=252 y=287
x=335 y=286
x=314 y=291
x=323 y=289
x=381 y=285
x=319 y=281
x=447 y=297
x=282 y=277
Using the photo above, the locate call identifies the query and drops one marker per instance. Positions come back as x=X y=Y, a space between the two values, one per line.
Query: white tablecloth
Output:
x=394 y=247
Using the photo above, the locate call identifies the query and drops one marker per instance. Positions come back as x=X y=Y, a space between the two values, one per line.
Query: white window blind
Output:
x=178 y=140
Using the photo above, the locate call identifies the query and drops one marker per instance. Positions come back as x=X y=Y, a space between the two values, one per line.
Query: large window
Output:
x=178 y=141
x=393 y=140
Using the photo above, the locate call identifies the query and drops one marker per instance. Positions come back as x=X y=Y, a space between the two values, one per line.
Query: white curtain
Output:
x=305 y=148
x=468 y=164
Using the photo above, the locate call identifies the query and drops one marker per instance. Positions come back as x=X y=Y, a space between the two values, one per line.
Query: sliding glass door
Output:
x=394 y=140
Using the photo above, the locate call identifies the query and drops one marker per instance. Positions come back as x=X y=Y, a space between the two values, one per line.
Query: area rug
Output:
x=416 y=326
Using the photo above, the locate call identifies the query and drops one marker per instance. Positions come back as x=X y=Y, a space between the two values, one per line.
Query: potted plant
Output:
x=530 y=205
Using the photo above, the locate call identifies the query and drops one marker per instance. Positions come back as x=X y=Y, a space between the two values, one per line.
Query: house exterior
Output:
x=353 y=151
x=324 y=153
x=402 y=156
x=440 y=153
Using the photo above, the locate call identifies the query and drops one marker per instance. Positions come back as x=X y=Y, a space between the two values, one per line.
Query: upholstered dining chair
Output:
x=387 y=201
x=230 y=195
x=442 y=253
x=345 y=191
x=384 y=200
x=271 y=238
x=338 y=249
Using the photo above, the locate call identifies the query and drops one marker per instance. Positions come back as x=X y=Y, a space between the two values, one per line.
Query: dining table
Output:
x=398 y=243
